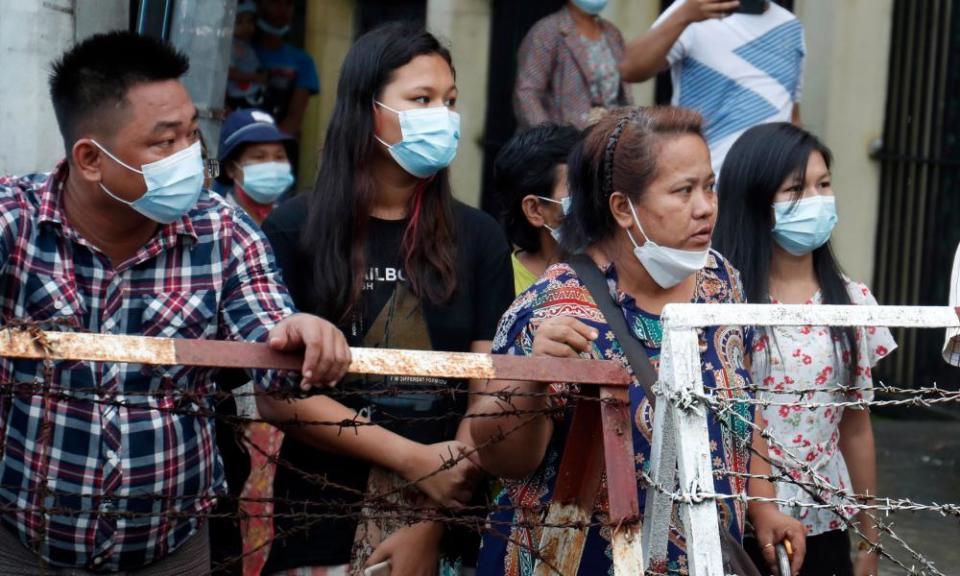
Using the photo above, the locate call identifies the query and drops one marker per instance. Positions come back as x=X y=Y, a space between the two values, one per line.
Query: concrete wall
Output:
x=635 y=17
x=32 y=35
x=329 y=35
x=465 y=24
x=848 y=46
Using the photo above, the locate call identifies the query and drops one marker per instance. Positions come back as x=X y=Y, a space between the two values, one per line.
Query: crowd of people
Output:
x=720 y=198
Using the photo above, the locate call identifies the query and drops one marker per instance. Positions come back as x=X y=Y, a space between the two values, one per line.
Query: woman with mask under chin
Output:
x=777 y=212
x=381 y=248
x=254 y=168
x=567 y=68
x=640 y=227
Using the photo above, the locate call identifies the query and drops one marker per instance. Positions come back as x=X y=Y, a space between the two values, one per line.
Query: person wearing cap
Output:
x=254 y=168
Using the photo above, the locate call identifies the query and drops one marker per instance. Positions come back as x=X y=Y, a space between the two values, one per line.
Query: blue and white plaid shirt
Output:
x=85 y=481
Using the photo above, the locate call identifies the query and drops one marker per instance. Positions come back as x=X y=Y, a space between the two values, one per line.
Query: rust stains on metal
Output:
x=621 y=480
x=422 y=363
x=575 y=493
x=220 y=354
x=16 y=343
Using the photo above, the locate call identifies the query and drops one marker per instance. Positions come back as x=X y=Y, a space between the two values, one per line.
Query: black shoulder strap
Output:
x=596 y=283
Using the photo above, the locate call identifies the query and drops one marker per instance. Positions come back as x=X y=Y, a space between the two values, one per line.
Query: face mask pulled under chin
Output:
x=667 y=266
x=174 y=184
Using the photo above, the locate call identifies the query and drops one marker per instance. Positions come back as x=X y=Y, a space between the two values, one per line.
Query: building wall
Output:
x=465 y=24
x=329 y=35
x=32 y=35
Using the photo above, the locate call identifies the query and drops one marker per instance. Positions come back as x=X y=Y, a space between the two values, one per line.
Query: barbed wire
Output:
x=477 y=518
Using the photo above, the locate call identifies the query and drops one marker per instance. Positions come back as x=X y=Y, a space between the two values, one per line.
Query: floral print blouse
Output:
x=515 y=531
x=809 y=364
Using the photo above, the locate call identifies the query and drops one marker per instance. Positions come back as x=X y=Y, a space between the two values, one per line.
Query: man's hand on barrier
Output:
x=412 y=550
x=326 y=355
x=563 y=337
x=773 y=527
x=453 y=486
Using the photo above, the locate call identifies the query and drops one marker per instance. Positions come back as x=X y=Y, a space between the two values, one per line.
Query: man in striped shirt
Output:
x=116 y=471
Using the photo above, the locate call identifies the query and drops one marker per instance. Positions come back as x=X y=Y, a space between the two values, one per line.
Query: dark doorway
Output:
x=373 y=13
x=919 y=220
x=510 y=22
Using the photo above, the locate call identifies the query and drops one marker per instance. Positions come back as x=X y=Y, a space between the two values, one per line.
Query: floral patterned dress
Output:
x=522 y=504
x=807 y=363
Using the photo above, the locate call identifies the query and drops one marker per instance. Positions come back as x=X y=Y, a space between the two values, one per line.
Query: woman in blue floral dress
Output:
x=643 y=210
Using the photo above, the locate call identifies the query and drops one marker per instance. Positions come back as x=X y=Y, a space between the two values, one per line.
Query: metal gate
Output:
x=919 y=220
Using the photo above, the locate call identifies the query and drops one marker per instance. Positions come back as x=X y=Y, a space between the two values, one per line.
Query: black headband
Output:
x=610 y=151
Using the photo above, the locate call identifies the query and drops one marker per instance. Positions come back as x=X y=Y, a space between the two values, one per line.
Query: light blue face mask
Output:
x=271 y=29
x=802 y=227
x=264 y=182
x=174 y=184
x=593 y=7
x=430 y=138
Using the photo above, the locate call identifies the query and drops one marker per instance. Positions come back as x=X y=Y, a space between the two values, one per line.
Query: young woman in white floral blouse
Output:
x=777 y=212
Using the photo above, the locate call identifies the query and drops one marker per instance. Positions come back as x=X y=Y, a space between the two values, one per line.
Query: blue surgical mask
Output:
x=803 y=226
x=264 y=182
x=430 y=138
x=174 y=184
x=593 y=7
x=271 y=29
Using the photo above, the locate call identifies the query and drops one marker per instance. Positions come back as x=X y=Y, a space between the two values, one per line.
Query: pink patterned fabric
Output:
x=554 y=74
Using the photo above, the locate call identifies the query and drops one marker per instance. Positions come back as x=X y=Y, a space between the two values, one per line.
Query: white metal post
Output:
x=681 y=381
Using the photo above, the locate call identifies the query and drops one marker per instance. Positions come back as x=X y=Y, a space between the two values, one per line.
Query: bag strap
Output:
x=596 y=283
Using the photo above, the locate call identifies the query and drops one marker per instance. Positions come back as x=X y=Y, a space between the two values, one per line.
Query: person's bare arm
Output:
x=795 y=115
x=373 y=444
x=646 y=56
x=295 y=111
x=770 y=525
x=859 y=453
x=522 y=449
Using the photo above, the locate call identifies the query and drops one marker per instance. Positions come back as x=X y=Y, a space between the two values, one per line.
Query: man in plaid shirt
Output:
x=116 y=474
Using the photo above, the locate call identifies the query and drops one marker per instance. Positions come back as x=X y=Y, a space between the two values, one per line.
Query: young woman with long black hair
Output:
x=381 y=247
x=777 y=212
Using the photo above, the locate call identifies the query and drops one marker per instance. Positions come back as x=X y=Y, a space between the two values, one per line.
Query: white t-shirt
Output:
x=738 y=72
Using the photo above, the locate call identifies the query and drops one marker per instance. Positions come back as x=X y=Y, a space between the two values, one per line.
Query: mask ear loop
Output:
x=609 y=152
x=375 y=135
x=114 y=158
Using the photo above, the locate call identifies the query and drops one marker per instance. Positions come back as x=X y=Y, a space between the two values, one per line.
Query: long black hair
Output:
x=339 y=206
x=756 y=167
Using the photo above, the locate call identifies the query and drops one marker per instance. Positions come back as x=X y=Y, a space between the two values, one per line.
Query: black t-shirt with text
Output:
x=389 y=315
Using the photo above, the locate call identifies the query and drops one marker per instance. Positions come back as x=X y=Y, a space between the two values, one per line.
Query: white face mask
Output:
x=565 y=206
x=667 y=266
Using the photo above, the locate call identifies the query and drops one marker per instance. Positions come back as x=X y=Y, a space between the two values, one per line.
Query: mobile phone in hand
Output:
x=752 y=6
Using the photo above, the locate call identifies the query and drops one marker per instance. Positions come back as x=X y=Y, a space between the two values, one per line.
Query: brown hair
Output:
x=619 y=153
